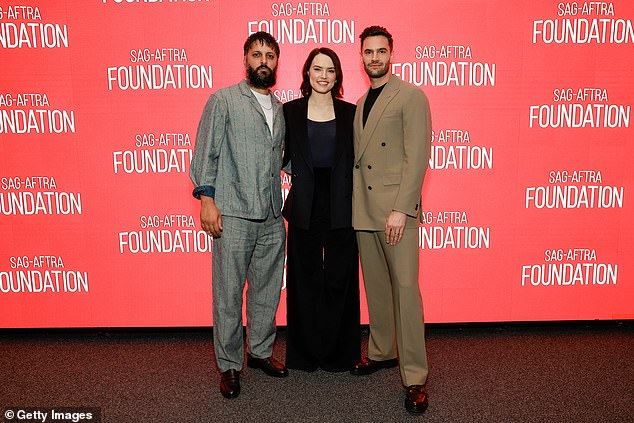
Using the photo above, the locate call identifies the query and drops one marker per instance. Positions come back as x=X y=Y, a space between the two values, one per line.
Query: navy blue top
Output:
x=322 y=137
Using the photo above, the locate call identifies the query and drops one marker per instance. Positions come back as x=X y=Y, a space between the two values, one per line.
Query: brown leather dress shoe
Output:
x=270 y=366
x=368 y=366
x=416 y=399
x=230 y=383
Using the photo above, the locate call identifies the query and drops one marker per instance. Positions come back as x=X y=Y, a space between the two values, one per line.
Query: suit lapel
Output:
x=340 y=132
x=278 y=119
x=365 y=133
x=358 y=127
x=301 y=126
x=277 y=109
x=246 y=91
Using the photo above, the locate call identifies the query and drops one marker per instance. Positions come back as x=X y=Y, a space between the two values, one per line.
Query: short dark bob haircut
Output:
x=337 y=89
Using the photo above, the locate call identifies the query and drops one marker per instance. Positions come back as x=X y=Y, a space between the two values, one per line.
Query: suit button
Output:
x=370 y=188
x=382 y=144
x=272 y=175
x=369 y=167
x=356 y=167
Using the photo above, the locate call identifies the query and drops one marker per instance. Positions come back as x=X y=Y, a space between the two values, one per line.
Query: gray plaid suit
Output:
x=237 y=161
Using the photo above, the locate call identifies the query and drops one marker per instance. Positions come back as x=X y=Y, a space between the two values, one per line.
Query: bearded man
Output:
x=236 y=173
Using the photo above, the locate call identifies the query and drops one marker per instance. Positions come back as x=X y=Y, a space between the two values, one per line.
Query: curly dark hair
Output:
x=263 y=37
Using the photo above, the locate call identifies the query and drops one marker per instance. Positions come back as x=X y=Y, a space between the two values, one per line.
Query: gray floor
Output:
x=575 y=372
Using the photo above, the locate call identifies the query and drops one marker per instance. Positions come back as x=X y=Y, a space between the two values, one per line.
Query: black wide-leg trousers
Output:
x=322 y=292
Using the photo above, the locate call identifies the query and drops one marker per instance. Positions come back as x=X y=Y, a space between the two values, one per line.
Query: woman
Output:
x=322 y=283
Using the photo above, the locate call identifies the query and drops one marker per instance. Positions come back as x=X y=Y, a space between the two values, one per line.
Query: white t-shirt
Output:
x=267 y=108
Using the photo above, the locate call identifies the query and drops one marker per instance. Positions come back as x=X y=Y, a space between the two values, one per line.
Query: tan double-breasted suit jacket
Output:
x=391 y=154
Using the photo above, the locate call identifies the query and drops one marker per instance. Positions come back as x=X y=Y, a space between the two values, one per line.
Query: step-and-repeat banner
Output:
x=527 y=202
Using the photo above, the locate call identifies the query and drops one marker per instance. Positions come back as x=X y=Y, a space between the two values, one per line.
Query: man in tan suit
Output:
x=392 y=132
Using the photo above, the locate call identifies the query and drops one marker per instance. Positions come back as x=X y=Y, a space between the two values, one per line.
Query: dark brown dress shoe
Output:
x=416 y=399
x=368 y=366
x=230 y=383
x=270 y=366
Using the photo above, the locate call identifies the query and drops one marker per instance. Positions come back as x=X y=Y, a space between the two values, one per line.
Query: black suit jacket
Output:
x=299 y=201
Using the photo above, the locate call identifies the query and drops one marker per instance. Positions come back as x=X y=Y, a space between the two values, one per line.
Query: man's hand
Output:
x=210 y=217
x=394 y=227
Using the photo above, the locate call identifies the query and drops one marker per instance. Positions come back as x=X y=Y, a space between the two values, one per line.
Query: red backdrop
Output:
x=527 y=210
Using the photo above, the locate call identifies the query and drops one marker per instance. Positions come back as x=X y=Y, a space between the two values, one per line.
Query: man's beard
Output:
x=377 y=73
x=260 y=79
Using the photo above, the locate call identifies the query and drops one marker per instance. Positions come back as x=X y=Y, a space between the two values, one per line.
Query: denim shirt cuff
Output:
x=206 y=190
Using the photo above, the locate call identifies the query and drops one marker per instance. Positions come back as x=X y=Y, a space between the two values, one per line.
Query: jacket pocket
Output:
x=392 y=179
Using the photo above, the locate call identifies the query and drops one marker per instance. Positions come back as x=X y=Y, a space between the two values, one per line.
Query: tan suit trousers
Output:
x=390 y=275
